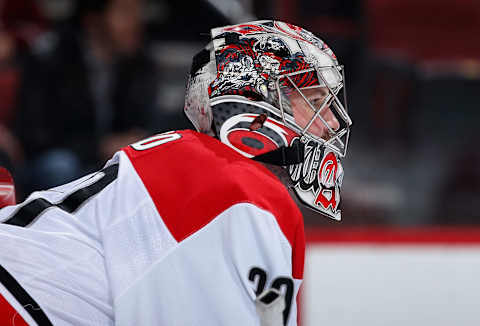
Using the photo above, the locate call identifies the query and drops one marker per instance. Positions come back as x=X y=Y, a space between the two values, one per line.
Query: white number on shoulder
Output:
x=155 y=141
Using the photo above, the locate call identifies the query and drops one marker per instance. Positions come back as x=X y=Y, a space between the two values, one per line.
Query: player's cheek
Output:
x=302 y=113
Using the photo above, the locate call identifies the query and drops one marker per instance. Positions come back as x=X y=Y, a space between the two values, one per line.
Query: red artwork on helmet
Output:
x=269 y=137
x=327 y=176
x=245 y=29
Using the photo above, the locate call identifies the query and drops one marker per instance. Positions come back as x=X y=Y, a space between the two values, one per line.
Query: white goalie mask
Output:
x=275 y=93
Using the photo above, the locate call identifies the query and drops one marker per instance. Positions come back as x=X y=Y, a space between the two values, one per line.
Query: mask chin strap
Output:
x=283 y=155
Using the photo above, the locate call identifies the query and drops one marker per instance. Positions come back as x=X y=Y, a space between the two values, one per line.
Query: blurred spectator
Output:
x=9 y=77
x=10 y=150
x=23 y=20
x=20 y=24
x=91 y=92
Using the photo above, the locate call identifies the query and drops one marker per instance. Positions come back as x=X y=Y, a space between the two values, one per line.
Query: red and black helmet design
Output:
x=255 y=87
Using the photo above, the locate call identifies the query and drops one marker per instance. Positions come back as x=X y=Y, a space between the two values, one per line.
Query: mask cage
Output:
x=308 y=113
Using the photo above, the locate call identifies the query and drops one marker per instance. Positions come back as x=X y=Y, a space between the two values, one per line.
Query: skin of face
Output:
x=303 y=113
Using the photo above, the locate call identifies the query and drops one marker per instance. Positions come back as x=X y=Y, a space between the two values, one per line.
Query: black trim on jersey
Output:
x=27 y=214
x=19 y=293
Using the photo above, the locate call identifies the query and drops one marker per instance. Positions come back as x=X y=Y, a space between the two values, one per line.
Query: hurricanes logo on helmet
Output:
x=236 y=133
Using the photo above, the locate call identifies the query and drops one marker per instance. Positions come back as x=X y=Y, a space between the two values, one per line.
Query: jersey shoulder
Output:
x=192 y=174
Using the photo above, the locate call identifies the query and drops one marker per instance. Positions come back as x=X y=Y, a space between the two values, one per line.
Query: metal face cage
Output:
x=319 y=110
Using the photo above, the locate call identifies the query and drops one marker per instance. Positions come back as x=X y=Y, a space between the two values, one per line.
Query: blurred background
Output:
x=80 y=79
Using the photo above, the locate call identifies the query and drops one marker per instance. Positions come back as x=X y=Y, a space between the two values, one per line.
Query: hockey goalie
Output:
x=193 y=227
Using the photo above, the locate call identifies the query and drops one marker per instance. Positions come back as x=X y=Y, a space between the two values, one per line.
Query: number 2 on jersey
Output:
x=287 y=283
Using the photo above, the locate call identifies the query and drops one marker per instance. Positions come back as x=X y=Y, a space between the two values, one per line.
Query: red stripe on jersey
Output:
x=8 y=314
x=195 y=178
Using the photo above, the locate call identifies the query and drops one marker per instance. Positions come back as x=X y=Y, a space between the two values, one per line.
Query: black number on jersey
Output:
x=280 y=283
x=261 y=275
x=26 y=214
x=287 y=284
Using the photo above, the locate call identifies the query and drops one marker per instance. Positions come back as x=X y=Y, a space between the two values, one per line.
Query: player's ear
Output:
x=7 y=188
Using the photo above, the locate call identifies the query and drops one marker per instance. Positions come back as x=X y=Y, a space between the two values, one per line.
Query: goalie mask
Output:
x=275 y=93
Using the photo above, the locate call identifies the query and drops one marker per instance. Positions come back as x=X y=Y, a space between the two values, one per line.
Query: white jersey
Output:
x=177 y=229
